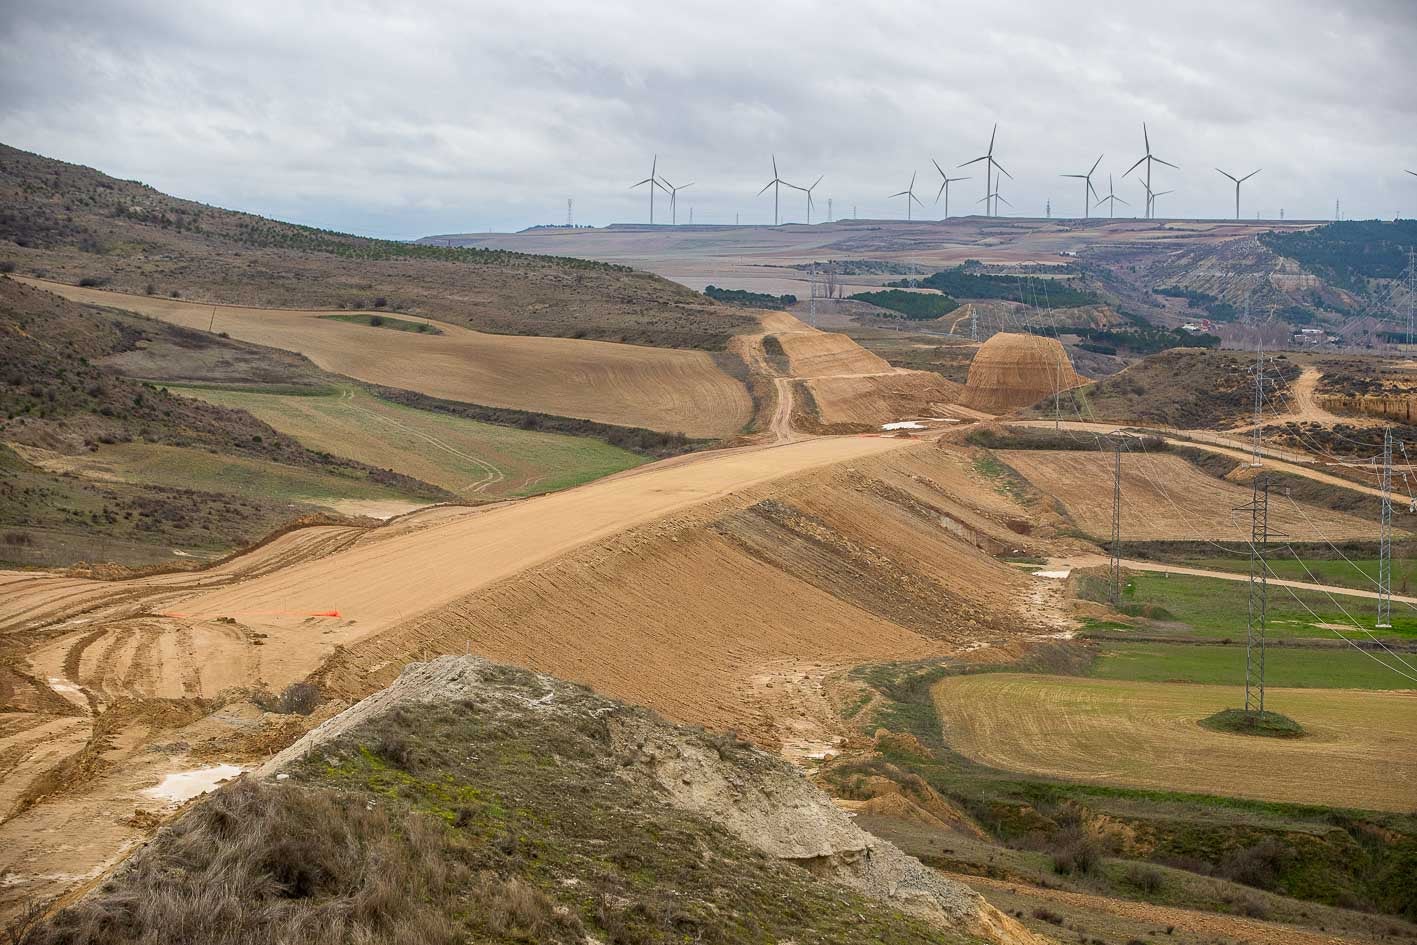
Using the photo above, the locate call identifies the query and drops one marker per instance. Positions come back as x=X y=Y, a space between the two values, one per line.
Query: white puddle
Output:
x=185 y=785
x=63 y=685
x=1053 y=574
x=904 y=425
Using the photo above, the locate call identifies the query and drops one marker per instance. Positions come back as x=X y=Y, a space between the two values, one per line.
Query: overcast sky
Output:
x=404 y=119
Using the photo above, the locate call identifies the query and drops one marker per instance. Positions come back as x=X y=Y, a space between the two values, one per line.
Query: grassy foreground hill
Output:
x=472 y=802
x=75 y=224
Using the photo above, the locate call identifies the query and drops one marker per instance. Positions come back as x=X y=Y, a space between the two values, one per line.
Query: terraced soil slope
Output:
x=629 y=385
x=1013 y=370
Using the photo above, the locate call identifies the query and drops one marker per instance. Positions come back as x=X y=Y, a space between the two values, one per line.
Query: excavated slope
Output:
x=1014 y=370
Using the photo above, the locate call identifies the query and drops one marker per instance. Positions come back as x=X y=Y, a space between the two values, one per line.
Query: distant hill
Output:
x=75 y=224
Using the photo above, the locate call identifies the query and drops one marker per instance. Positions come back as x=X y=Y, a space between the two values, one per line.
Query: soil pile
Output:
x=1013 y=370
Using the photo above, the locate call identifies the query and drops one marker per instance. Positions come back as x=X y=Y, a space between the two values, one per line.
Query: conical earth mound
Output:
x=1014 y=370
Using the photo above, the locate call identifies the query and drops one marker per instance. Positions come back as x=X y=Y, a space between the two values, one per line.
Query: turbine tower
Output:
x=776 y=185
x=674 y=199
x=909 y=195
x=653 y=181
x=1111 y=199
x=945 y=182
x=1238 y=181
x=1088 y=191
x=1148 y=159
x=990 y=165
x=1151 y=196
x=808 y=191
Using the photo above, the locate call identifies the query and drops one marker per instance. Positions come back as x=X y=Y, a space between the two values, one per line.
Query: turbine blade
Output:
x=1120 y=200
x=901 y=194
x=1413 y=173
x=765 y=187
x=937 y=167
x=992 y=134
x=939 y=192
x=1000 y=168
x=1095 y=163
x=1167 y=163
x=975 y=161
x=815 y=183
x=1136 y=165
x=1146 y=137
x=1249 y=175
x=1219 y=171
x=1078 y=176
x=916 y=199
x=971 y=178
x=687 y=186
x=1092 y=189
x=1003 y=198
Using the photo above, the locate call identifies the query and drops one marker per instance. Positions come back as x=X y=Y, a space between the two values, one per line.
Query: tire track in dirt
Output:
x=494 y=474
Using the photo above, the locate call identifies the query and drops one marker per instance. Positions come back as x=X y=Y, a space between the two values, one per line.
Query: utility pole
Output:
x=1259 y=391
x=1385 y=538
x=830 y=218
x=812 y=303
x=1259 y=594
x=973 y=322
x=1048 y=209
x=1115 y=565
x=570 y=216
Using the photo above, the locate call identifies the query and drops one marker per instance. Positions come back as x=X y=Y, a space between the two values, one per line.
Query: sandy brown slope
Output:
x=655 y=388
x=716 y=589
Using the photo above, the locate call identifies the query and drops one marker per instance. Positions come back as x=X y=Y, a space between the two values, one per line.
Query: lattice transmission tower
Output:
x=1114 y=574
x=1258 y=613
x=1385 y=538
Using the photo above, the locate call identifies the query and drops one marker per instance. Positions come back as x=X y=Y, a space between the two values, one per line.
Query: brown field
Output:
x=1358 y=753
x=656 y=388
x=1165 y=497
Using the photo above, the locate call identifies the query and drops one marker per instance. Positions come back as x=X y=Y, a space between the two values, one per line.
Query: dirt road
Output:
x=1097 y=561
x=630 y=385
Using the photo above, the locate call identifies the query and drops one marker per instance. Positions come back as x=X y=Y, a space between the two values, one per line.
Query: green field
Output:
x=467 y=458
x=386 y=321
x=1215 y=608
x=1360 y=573
x=1287 y=667
x=181 y=467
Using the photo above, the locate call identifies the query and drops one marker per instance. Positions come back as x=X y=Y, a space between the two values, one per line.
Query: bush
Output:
x=1075 y=851
x=376 y=320
x=6 y=266
x=1144 y=878
x=299 y=698
x=1259 y=865
x=381 y=302
x=90 y=282
x=1047 y=915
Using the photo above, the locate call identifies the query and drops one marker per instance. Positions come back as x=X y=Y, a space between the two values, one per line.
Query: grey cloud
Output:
x=403 y=119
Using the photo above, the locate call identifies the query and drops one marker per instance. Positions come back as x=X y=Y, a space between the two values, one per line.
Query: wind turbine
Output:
x=1151 y=198
x=996 y=197
x=653 y=181
x=776 y=184
x=1148 y=158
x=808 y=191
x=1238 y=181
x=1111 y=199
x=909 y=195
x=674 y=199
x=1088 y=191
x=990 y=165
x=1413 y=173
x=945 y=182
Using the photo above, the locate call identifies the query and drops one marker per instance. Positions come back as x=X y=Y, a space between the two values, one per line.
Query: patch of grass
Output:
x=1264 y=724
x=1285 y=667
x=386 y=321
x=467 y=457
x=1214 y=608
